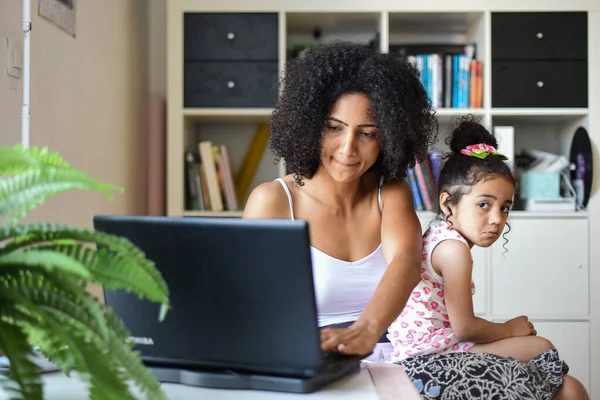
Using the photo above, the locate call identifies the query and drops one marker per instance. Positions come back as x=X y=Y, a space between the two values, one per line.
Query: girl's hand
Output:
x=520 y=326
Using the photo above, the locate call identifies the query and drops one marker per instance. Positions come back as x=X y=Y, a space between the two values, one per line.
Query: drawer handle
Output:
x=540 y=84
x=539 y=35
x=230 y=36
x=230 y=84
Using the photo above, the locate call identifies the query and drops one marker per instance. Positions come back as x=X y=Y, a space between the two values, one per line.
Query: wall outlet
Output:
x=14 y=58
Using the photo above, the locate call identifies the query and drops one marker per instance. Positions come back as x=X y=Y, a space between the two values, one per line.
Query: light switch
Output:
x=13 y=58
x=16 y=58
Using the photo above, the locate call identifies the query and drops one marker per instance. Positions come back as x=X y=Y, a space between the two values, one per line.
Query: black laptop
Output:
x=243 y=304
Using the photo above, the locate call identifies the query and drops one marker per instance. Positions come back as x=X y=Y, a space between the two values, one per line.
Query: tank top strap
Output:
x=289 y=195
x=379 y=195
x=291 y=202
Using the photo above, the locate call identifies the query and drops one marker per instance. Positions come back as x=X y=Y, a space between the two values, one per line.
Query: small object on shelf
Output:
x=581 y=157
x=540 y=183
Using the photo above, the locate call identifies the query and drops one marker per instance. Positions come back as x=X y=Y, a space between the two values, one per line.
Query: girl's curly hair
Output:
x=312 y=84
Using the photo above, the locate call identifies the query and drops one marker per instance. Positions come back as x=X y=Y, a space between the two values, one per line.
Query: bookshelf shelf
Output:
x=229 y=114
x=218 y=214
x=538 y=115
x=519 y=214
x=413 y=31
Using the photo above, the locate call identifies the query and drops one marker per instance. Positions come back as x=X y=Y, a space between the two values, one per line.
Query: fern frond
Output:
x=55 y=294
x=47 y=259
x=112 y=271
x=50 y=348
x=23 y=192
x=13 y=160
x=22 y=370
x=17 y=159
x=43 y=156
x=119 y=264
x=90 y=358
x=44 y=270
x=129 y=359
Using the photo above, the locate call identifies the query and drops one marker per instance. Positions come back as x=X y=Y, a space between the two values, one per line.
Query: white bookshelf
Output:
x=551 y=129
x=389 y=26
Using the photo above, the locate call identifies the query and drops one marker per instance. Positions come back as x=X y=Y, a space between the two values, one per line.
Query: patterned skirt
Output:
x=458 y=376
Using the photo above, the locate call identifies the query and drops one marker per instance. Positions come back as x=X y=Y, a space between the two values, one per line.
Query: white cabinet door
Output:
x=544 y=272
x=572 y=340
x=479 y=269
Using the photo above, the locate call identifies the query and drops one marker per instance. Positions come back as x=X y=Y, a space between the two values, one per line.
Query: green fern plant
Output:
x=44 y=272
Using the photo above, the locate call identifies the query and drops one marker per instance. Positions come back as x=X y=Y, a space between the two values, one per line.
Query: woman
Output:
x=349 y=123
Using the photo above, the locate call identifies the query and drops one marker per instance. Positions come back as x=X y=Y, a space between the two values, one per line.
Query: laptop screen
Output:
x=241 y=290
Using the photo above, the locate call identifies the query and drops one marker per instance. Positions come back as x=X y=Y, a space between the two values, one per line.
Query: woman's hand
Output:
x=359 y=338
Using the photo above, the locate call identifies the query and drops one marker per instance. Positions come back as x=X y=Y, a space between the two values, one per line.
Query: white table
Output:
x=373 y=382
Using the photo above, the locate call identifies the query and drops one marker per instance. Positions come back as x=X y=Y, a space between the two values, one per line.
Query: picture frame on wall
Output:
x=61 y=12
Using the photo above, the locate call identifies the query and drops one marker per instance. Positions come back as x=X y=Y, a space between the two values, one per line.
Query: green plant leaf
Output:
x=44 y=270
x=23 y=379
x=43 y=156
x=92 y=359
x=130 y=360
x=47 y=259
x=13 y=161
x=23 y=192
x=53 y=350
x=56 y=294
x=117 y=265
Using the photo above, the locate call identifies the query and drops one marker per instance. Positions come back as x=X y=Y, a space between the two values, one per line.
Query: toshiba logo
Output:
x=140 y=340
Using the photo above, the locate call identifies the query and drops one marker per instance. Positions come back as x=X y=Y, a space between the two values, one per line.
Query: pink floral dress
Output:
x=423 y=327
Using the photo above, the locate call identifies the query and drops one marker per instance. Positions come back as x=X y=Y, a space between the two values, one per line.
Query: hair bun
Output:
x=469 y=132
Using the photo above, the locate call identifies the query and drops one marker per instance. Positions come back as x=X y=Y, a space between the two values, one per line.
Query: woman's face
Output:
x=350 y=138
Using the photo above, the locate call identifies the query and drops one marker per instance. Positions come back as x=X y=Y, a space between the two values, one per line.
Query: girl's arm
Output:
x=402 y=245
x=452 y=259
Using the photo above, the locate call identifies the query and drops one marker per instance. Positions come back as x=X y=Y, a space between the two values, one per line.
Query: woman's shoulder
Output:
x=268 y=200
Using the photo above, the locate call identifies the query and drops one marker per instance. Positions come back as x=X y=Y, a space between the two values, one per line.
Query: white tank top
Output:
x=343 y=288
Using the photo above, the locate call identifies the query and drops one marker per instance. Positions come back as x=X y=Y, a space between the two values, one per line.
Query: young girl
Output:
x=476 y=189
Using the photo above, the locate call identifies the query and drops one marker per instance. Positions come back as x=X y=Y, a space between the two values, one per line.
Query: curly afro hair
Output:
x=312 y=84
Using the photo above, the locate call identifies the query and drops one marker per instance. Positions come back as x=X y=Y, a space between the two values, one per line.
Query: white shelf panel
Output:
x=229 y=114
x=432 y=22
x=228 y=214
x=538 y=114
x=519 y=214
x=331 y=21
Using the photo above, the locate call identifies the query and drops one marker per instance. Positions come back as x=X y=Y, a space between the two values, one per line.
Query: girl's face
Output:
x=480 y=215
x=350 y=138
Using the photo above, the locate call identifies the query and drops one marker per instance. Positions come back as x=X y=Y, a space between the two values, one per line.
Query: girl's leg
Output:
x=572 y=389
x=522 y=348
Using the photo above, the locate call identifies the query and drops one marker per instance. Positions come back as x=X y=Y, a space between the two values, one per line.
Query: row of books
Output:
x=451 y=80
x=211 y=183
x=209 y=179
x=423 y=179
x=451 y=73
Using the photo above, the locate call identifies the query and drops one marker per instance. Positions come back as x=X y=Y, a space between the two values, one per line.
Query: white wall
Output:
x=88 y=99
x=11 y=89
x=157 y=47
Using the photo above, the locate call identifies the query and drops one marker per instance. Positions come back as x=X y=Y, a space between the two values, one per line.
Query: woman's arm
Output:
x=402 y=245
x=452 y=259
